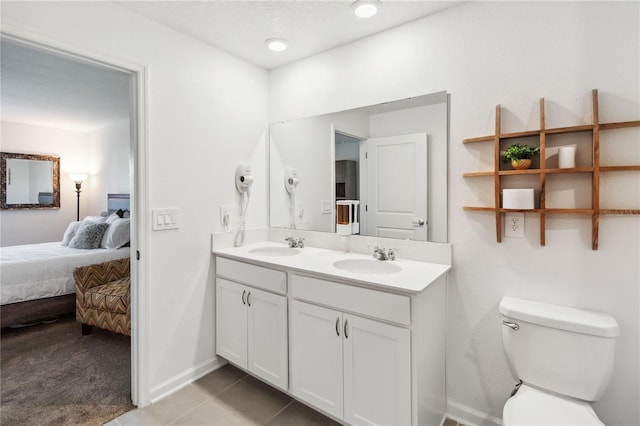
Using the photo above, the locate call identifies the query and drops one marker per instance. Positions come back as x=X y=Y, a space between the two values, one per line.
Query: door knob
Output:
x=419 y=222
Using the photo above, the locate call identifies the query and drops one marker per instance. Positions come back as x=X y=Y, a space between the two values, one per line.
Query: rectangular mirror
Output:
x=389 y=160
x=29 y=181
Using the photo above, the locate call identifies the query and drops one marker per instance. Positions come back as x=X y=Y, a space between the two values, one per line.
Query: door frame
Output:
x=362 y=184
x=138 y=163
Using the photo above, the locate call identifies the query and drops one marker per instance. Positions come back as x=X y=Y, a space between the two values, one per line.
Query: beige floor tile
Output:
x=213 y=413
x=139 y=416
x=166 y=410
x=255 y=400
x=298 y=414
x=220 y=379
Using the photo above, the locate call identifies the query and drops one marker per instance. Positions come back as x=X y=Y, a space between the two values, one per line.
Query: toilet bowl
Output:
x=530 y=406
x=564 y=358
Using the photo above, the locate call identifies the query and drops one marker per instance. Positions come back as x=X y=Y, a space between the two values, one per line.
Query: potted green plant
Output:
x=520 y=155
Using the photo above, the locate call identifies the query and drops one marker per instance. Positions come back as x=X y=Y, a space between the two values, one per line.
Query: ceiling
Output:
x=241 y=27
x=42 y=88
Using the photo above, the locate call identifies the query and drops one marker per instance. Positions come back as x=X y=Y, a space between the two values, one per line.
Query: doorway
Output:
x=347 y=182
x=136 y=159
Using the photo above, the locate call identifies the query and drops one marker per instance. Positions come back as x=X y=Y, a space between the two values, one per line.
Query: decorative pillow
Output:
x=111 y=218
x=120 y=213
x=70 y=232
x=117 y=235
x=89 y=235
x=97 y=219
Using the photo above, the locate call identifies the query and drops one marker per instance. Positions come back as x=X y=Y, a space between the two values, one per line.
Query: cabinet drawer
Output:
x=373 y=303
x=255 y=276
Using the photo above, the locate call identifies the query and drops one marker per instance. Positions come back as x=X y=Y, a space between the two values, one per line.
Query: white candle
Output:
x=566 y=157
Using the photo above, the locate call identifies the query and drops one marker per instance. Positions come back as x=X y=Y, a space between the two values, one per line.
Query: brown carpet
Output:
x=52 y=375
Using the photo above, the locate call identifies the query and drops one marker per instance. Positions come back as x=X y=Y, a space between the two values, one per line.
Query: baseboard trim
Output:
x=470 y=416
x=186 y=378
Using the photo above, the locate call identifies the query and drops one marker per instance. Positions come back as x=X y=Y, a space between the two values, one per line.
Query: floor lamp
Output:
x=78 y=179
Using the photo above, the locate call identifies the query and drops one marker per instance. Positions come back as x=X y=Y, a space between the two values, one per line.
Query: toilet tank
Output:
x=564 y=350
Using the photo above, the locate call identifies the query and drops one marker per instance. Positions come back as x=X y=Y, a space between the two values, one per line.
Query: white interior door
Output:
x=267 y=337
x=396 y=204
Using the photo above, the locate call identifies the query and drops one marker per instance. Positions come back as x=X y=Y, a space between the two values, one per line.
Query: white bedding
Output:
x=36 y=271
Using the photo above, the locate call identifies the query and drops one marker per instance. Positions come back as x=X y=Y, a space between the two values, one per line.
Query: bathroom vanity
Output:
x=359 y=339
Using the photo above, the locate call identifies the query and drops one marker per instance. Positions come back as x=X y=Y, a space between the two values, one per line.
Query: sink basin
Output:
x=367 y=266
x=274 y=251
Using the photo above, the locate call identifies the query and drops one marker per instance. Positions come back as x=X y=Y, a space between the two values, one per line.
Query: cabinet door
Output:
x=267 y=337
x=231 y=322
x=377 y=372
x=316 y=357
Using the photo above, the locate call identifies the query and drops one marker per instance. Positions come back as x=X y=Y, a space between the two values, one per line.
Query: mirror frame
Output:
x=4 y=156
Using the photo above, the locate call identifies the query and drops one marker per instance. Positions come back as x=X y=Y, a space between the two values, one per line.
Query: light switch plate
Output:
x=163 y=219
x=325 y=206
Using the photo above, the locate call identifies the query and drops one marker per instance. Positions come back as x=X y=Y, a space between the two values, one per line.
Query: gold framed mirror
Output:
x=29 y=181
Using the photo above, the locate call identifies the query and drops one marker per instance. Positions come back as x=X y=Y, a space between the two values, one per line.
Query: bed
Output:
x=37 y=279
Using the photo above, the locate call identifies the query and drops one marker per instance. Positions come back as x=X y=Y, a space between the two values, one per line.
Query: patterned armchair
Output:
x=103 y=296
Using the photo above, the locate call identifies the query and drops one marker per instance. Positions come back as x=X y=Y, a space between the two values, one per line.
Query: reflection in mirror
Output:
x=29 y=181
x=391 y=158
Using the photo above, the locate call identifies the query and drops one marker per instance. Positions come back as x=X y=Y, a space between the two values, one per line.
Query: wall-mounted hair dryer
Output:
x=291 y=180
x=244 y=178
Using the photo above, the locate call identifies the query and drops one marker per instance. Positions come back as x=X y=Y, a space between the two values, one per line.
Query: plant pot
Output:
x=522 y=164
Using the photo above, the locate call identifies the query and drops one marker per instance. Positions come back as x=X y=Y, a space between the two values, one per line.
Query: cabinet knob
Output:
x=243 y=299
x=346 y=334
x=248 y=301
x=338 y=326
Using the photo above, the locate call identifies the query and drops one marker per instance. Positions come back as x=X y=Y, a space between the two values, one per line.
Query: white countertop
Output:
x=413 y=277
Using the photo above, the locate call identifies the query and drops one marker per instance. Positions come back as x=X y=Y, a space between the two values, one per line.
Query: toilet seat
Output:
x=531 y=406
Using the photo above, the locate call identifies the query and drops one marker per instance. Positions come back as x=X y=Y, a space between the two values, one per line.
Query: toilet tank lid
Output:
x=561 y=317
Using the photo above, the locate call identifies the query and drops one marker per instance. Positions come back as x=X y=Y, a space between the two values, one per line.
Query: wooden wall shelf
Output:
x=542 y=171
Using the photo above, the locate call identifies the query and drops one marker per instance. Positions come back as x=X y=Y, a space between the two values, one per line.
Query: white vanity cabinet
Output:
x=361 y=347
x=354 y=368
x=251 y=319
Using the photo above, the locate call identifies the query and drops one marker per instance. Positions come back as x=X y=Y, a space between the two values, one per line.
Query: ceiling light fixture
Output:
x=366 y=8
x=277 y=44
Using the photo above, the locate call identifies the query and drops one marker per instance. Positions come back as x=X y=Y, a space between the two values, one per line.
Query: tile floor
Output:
x=228 y=396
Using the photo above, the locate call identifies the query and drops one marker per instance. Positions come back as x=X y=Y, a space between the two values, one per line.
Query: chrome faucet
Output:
x=295 y=242
x=384 y=254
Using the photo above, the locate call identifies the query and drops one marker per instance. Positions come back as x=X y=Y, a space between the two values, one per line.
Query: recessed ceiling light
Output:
x=277 y=44
x=366 y=8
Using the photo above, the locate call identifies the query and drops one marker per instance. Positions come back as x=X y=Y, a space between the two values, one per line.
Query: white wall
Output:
x=73 y=148
x=207 y=111
x=348 y=151
x=102 y=154
x=109 y=161
x=306 y=146
x=509 y=53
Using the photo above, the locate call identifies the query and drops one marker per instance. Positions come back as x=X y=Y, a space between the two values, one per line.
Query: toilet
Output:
x=564 y=358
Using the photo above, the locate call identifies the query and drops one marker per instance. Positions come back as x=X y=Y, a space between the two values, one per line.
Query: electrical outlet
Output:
x=514 y=225
x=225 y=218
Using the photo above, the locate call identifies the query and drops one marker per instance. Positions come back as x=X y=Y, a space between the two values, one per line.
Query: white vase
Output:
x=567 y=157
